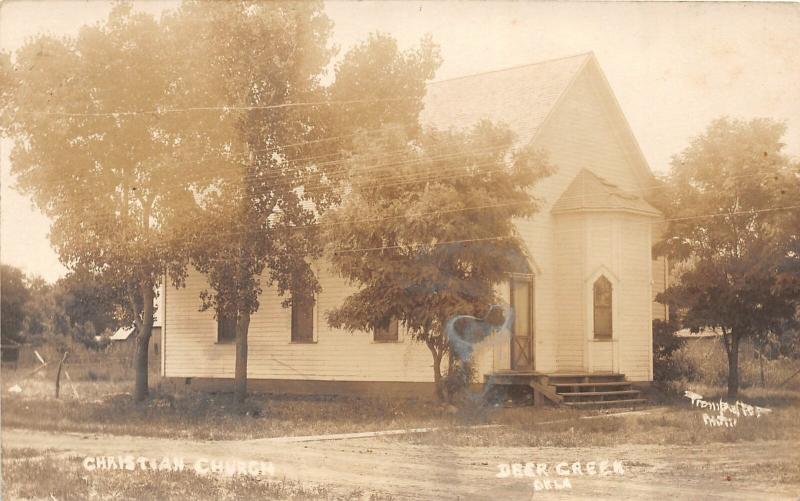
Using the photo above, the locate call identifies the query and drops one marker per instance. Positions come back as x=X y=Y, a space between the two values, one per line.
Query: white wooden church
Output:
x=583 y=317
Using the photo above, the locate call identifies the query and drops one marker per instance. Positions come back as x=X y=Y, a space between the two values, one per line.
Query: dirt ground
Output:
x=745 y=470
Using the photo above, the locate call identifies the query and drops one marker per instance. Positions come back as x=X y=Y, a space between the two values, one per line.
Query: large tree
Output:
x=728 y=199
x=256 y=66
x=432 y=234
x=291 y=141
x=96 y=142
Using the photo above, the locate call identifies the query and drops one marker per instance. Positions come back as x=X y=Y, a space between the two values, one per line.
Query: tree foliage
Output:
x=256 y=66
x=90 y=306
x=728 y=205
x=268 y=59
x=79 y=306
x=377 y=84
x=14 y=296
x=96 y=148
x=141 y=139
x=432 y=233
x=290 y=140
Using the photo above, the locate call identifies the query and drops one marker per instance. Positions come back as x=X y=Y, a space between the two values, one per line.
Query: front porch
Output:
x=574 y=389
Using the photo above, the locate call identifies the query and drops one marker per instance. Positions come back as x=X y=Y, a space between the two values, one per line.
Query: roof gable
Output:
x=623 y=128
x=521 y=97
x=589 y=192
x=524 y=98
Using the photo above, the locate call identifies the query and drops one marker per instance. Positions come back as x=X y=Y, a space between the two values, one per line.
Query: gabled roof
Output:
x=524 y=97
x=589 y=192
x=521 y=97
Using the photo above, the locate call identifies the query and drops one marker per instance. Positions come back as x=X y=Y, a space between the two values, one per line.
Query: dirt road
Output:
x=720 y=471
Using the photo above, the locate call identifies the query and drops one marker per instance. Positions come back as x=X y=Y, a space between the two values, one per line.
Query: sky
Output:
x=674 y=67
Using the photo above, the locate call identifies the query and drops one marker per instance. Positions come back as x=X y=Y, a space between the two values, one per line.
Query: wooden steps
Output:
x=572 y=389
x=605 y=403
x=601 y=377
x=595 y=390
x=599 y=383
x=599 y=393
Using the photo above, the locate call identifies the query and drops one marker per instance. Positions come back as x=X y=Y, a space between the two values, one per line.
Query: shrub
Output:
x=458 y=378
x=665 y=343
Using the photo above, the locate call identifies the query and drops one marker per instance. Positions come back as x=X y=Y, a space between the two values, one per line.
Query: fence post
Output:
x=58 y=373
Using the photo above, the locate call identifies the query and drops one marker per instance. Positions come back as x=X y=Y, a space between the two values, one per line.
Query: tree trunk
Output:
x=733 y=365
x=240 y=376
x=437 y=369
x=437 y=376
x=145 y=329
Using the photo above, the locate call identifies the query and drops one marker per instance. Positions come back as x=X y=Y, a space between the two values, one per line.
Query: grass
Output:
x=209 y=416
x=106 y=407
x=776 y=471
x=43 y=388
x=202 y=416
x=115 y=363
x=214 y=417
x=670 y=427
x=676 y=423
x=63 y=478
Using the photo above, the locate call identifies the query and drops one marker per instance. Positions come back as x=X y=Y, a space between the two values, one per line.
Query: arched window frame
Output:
x=602 y=305
x=589 y=294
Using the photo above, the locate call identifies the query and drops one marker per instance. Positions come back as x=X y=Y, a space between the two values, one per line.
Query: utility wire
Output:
x=226 y=108
x=552 y=228
x=453 y=174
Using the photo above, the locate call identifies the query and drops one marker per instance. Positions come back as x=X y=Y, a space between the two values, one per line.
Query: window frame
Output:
x=397 y=337
x=605 y=309
x=312 y=321
x=221 y=327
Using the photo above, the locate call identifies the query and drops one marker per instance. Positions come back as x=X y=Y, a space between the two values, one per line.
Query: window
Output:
x=226 y=328
x=387 y=333
x=602 y=309
x=302 y=320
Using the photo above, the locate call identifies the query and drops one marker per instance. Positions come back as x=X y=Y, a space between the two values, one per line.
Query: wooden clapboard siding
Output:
x=660 y=274
x=544 y=318
x=635 y=301
x=582 y=133
x=192 y=351
x=569 y=271
x=602 y=356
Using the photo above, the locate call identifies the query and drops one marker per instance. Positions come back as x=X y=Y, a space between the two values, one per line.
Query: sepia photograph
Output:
x=384 y=250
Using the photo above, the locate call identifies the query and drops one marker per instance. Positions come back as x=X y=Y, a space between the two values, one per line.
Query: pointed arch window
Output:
x=602 y=308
